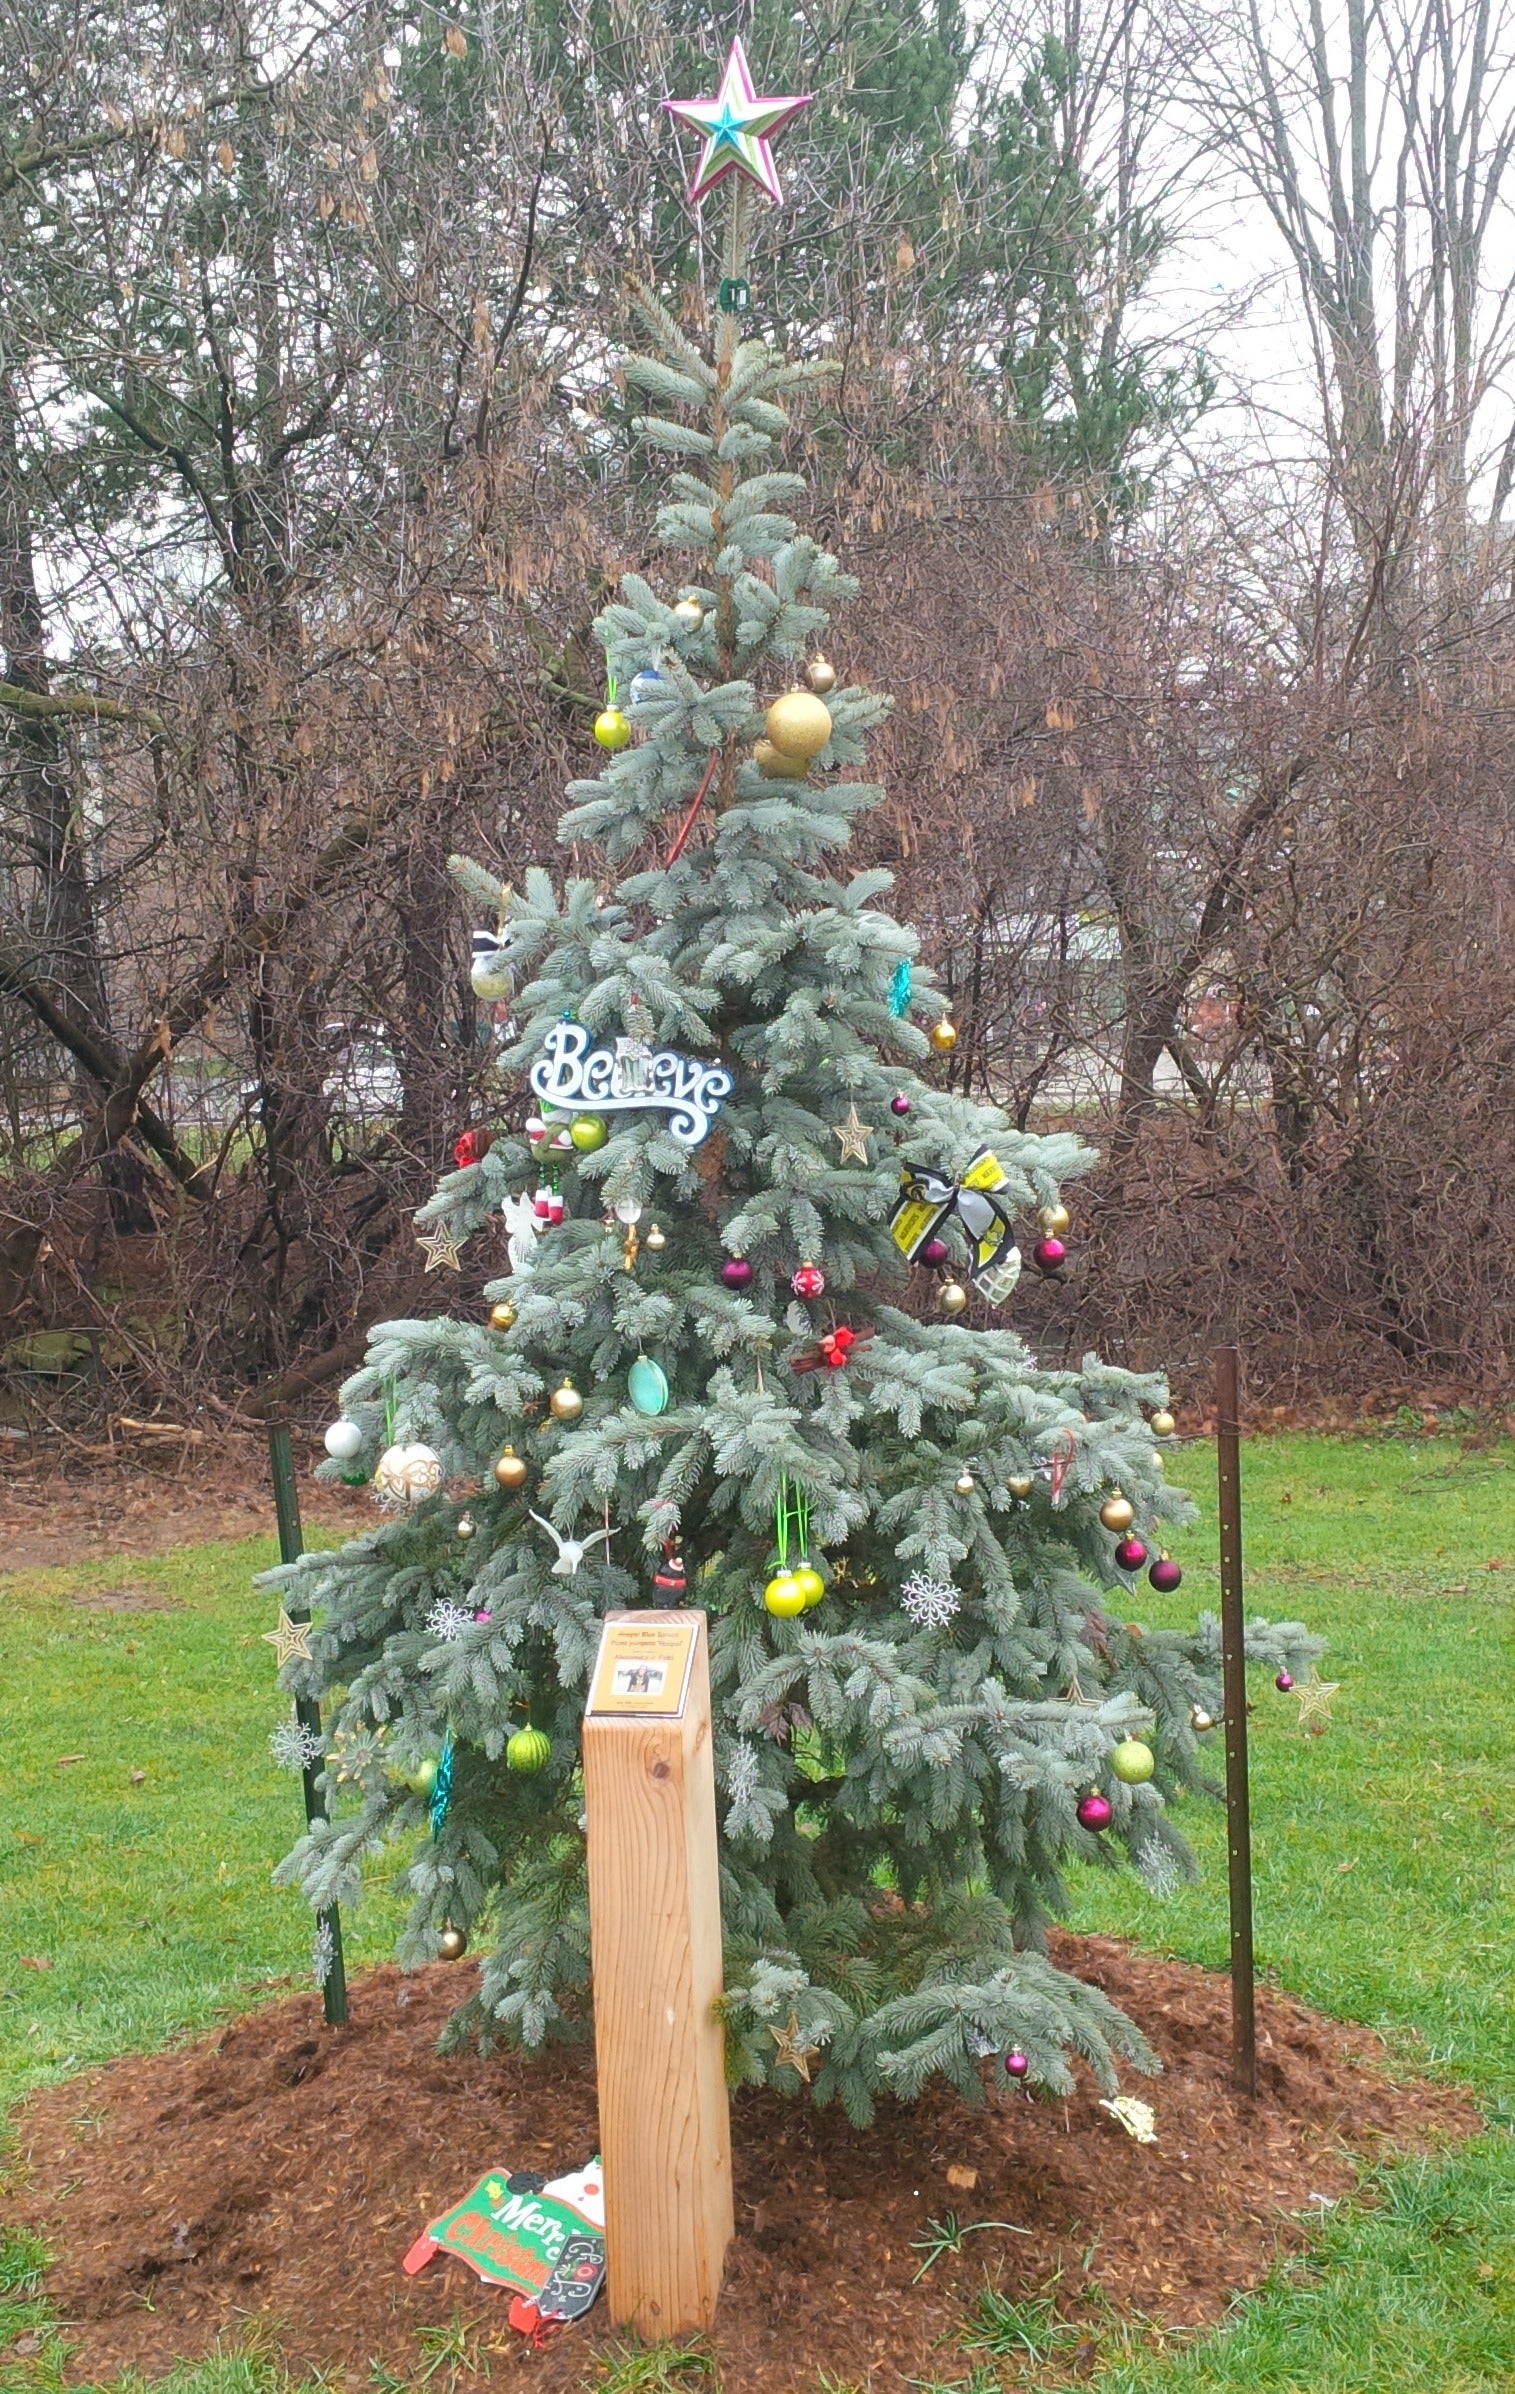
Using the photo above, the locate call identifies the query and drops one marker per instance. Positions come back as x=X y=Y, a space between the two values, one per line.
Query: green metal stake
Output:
x=1233 y=1648
x=308 y=1714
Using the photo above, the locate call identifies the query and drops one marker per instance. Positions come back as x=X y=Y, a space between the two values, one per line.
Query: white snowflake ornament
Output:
x=296 y=1748
x=930 y=1603
x=447 y=1620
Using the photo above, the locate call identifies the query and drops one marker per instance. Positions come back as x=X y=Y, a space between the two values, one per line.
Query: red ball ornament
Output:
x=1165 y=1575
x=1095 y=1811
x=935 y=1251
x=809 y=1281
x=900 y=1104
x=1130 y=1554
x=1016 y=2064
x=736 y=1272
x=1284 y=1682
x=1049 y=1255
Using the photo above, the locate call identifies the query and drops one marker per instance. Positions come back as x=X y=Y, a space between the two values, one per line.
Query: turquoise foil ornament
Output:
x=441 y=1794
x=647 y=1386
x=899 y=988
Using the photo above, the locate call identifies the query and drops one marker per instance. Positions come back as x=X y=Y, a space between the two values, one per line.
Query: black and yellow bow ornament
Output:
x=975 y=1199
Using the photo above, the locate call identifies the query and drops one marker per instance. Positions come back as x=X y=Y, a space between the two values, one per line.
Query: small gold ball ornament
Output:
x=820 y=674
x=798 y=724
x=774 y=766
x=1162 y=1425
x=1200 y=1721
x=1021 y=1485
x=952 y=1296
x=1117 y=1513
x=656 y=1240
x=688 y=614
x=943 y=1035
x=1156 y=1461
x=566 y=1404
x=511 y=1470
x=965 y=1483
x=452 y=1944
x=464 y=1525
x=502 y=1316
x=1054 y=1219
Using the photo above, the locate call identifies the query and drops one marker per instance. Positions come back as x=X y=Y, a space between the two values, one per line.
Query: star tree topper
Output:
x=737 y=127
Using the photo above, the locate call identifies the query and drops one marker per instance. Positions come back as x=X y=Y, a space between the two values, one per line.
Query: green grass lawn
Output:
x=1383 y=1856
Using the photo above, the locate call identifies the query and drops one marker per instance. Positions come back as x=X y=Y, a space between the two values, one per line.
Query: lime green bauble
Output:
x=810 y=1584
x=784 y=1596
x=528 y=1750
x=611 y=728
x=587 y=1132
x=423 y=1779
x=1133 y=1761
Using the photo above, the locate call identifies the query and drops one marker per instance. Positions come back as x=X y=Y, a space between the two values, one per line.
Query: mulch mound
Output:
x=281 y=2169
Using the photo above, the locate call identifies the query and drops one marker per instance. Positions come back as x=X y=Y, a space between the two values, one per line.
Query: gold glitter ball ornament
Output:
x=566 y=1403
x=1021 y=1485
x=798 y=724
x=502 y=1316
x=688 y=614
x=943 y=1035
x=774 y=766
x=965 y=1483
x=657 y=1240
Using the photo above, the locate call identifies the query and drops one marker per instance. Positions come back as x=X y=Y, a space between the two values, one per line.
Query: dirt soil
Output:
x=142 y=1491
x=281 y=2169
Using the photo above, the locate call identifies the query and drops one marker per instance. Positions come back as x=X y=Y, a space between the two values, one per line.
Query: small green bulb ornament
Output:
x=784 y=1596
x=588 y=1133
x=611 y=728
x=528 y=1750
x=1133 y=1761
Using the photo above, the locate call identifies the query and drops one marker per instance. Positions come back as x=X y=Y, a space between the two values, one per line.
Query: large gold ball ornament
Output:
x=943 y=1035
x=502 y=1316
x=511 y=1470
x=798 y=724
x=452 y=1944
x=1117 y=1513
x=1162 y=1425
x=952 y=1296
x=1021 y=1485
x=820 y=673
x=611 y=728
x=774 y=766
x=1054 y=1219
x=566 y=1404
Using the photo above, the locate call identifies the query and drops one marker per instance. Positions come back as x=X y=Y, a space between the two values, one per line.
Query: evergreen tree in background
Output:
x=907 y=1536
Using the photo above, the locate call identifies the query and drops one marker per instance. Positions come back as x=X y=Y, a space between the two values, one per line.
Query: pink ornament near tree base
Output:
x=1016 y=2064
x=1095 y=1811
x=1049 y=1255
x=1284 y=1682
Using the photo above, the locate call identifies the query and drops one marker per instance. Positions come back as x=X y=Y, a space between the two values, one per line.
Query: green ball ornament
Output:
x=587 y=1132
x=784 y=1596
x=528 y=1750
x=423 y=1779
x=611 y=728
x=810 y=1584
x=1133 y=1761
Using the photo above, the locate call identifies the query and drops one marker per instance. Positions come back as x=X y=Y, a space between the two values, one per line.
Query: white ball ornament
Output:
x=343 y=1440
x=406 y=1474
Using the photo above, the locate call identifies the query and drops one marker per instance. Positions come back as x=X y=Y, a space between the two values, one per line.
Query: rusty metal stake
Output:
x=1234 y=1678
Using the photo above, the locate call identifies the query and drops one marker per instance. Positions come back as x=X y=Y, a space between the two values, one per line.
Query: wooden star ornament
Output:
x=290 y=1641
x=1315 y=1703
x=854 y=1136
x=791 y=2052
x=440 y=1248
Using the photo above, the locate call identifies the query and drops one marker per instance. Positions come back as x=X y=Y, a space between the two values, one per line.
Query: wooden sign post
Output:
x=655 y=1943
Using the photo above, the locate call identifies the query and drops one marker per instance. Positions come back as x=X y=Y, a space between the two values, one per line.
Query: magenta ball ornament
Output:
x=1284 y=1682
x=1049 y=1255
x=935 y=1251
x=1016 y=2064
x=1166 y=1575
x=1095 y=1811
x=736 y=1272
x=1130 y=1554
x=900 y=1104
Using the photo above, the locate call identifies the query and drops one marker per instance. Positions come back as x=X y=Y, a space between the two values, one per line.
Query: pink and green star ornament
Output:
x=737 y=127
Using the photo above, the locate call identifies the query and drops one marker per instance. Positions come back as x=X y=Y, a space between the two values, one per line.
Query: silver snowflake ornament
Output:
x=742 y=1773
x=447 y=1620
x=323 y=1953
x=930 y=1603
x=296 y=1748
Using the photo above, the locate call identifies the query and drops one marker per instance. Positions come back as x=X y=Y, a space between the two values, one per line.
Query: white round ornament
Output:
x=343 y=1440
x=405 y=1474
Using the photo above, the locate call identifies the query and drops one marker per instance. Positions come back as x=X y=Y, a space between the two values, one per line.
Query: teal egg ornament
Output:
x=647 y=1386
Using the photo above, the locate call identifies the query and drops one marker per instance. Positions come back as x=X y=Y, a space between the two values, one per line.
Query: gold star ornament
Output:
x=854 y=1136
x=290 y=1641
x=791 y=2052
x=440 y=1248
x=1315 y=1703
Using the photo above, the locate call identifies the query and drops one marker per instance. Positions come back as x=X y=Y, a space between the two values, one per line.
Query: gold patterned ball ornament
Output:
x=1117 y=1512
x=566 y=1404
x=951 y=1297
x=1054 y=1219
x=943 y=1035
x=452 y=1944
x=512 y=1471
x=502 y=1316
x=1021 y=1485
x=1162 y=1425
x=798 y=724
x=774 y=766
x=820 y=674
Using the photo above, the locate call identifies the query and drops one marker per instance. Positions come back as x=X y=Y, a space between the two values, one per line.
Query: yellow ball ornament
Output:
x=798 y=724
x=588 y=1133
x=611 y=728
x=1133 y=1761
x=565 y=1403
x=810 y=1584
x=784 y=1596
x=943 y=1035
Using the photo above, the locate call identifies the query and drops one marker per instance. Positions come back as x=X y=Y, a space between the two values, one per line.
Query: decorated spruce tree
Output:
x=754 y=1351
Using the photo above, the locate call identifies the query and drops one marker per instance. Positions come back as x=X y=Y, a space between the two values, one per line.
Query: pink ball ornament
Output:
x=1165 y=1575
x=736 y=1272
x=900 y=1104
x=1016 y=2064
x=808 y=1281
x=1095 y=1811
x=1130 y=1554
x=1284 y=1682
x=1049 y=1255
x=935 y=1251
